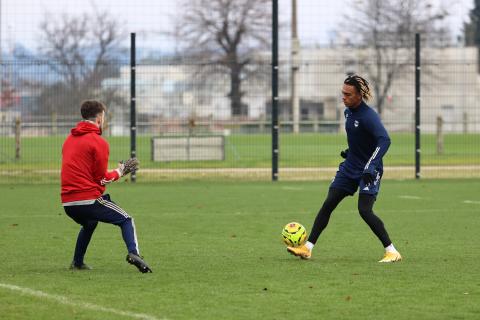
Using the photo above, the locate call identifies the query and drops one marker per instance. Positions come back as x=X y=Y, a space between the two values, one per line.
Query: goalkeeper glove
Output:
x=125 y=167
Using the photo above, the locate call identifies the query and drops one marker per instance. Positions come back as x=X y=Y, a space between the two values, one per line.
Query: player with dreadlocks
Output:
x=368 y=141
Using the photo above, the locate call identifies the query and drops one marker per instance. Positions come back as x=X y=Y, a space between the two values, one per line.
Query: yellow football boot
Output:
x=391 y=257
x=301 y=252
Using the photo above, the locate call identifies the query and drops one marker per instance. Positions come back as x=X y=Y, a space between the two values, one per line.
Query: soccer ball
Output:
x=294 y=234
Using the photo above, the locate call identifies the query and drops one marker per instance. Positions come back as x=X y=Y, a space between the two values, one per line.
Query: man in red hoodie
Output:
x=84 y=176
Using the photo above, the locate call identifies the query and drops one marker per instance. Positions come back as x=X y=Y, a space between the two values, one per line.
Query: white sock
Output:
x=309 y=245
x=390 y=248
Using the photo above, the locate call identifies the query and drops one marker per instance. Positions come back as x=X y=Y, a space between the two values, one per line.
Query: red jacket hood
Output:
x=84 y=127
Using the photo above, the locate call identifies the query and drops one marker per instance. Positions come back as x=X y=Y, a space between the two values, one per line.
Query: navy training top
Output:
x=368 y=141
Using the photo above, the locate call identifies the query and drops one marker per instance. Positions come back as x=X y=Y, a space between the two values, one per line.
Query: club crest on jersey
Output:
x=355 y=123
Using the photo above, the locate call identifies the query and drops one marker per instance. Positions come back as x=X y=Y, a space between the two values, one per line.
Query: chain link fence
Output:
x=190 y=127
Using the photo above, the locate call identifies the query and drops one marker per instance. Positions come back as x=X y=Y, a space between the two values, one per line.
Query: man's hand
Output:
x=344 y=154
x=369 y=176
x=128 y=166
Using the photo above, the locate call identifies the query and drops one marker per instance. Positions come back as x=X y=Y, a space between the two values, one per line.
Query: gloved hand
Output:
x=128 y=166
x=344 y=153
x=369 y=175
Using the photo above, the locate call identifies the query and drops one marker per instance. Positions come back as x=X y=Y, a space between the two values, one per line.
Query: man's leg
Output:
x=79 y=215
x=334 y=197
x=365 y=208
x=83 y=239
x=109 y=212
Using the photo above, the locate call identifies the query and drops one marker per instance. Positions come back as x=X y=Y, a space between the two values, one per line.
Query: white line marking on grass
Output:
x=399 y=211
x=410 y=197
x=25 y=215
x=292 y=188
x=471 y=202
x=84 y=305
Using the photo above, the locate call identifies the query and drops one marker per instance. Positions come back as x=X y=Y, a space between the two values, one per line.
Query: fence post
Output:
x=294 y=51
x=439 y=135
x=275 y=128
x=54 y=123
x=262 y=123
x=133 y=111
x=417 y=106
x=18 y=130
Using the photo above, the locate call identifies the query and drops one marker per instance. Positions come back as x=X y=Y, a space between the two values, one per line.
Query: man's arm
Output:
x=124 y=168
x=376 y=128
x=102 y=176
x=110 y=176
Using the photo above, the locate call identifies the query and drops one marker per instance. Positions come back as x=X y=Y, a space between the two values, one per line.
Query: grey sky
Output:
x=317 y=18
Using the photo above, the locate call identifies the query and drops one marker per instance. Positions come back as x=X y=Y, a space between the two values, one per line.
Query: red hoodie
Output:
x=84 y=164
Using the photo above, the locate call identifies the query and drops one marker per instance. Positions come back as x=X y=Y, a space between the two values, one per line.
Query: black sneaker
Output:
x=138 y=262
x=83 y=266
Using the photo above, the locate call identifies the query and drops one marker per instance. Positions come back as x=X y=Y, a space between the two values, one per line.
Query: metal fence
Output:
x=182 y=102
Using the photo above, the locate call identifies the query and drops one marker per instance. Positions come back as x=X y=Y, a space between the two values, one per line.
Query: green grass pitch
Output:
x=216 y=252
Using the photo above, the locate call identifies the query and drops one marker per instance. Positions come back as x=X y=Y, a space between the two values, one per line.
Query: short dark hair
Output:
x=90 y=109
x=360 y=84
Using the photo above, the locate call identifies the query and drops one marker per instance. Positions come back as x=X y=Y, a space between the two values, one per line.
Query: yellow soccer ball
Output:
x=294 y=234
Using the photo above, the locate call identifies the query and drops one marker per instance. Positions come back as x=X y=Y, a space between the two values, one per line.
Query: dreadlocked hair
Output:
x=361 y=85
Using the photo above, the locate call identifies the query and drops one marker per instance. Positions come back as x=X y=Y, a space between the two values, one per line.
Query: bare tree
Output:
x=226 y=33
x=82 y=51
x=471 y=30
x=387 y=28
